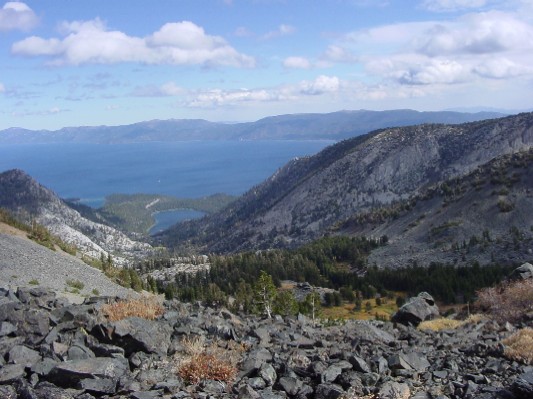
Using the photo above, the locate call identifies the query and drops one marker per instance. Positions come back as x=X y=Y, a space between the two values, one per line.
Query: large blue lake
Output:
x=182 y=169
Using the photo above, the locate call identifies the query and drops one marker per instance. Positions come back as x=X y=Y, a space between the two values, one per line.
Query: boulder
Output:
x=523 y=272
x=394 y=390
x=523 y=386
x=135 y=334
x=71 y=373
x=21 y=354
x=416 y=310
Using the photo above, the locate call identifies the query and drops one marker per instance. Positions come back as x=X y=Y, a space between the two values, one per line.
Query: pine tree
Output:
x=264 y=294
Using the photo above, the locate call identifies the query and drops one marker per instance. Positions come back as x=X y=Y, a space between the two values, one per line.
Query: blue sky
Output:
x=71 y=63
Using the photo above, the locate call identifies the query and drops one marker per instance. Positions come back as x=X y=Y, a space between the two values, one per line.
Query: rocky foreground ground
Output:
x=53 y=349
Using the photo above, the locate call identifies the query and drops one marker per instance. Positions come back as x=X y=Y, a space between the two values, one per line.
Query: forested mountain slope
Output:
x=309 y=196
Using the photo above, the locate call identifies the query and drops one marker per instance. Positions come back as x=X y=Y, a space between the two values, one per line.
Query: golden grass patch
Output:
x=146 y=307
x=200 y=362
x=519 y=346
x=449 y=324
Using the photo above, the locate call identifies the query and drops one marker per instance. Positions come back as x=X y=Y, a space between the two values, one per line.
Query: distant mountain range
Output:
x=451 y=193
x=331 y=126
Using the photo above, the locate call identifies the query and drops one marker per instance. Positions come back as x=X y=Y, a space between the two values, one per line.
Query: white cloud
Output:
x=470 y=48
x=502 y=68
x=336 y=53
x=452 y=5
x=297 y=63
x=89 y=42
x=321 y=85
x=282 y=30
x=16 y=15
x=483 y=33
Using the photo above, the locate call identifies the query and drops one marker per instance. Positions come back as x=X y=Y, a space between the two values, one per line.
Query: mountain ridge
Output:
x=309 y=195
x=29 y=200
x=312 y=126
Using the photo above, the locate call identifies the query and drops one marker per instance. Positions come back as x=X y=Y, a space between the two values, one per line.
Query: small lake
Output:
x=165 y=219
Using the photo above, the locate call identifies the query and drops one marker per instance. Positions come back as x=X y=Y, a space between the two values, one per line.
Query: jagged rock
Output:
x=290 y=385
x=98 y=386
x=268 y=374
x=331 y=373
x=416 y=310
x=359 y=364
x=328 y=391
x=246 y=392
x=523 y=272
x=21 y=354
x=11 y=372
x=135 y=334
x=8 y=392
x=394 y=390
x=78 y=352
x=523 y=386
x=6 y=328
x=69 y=374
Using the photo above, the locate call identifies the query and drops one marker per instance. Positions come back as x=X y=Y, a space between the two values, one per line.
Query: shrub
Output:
x=519 y=346
x=207 y=366
x=201 y=363
x=147 y=308
x=33 y=282
x=76 y=284
x=95 y=292
x=508 y=301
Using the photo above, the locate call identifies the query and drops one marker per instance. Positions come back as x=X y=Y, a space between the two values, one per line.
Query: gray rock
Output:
x=99 y=385
x=246 y=392
x=268 y=374
x=257 y=383
x=8 y=392
x=11 y=372
x=6 y=328
x=135 y=334
x=523 y=386
x=331 y=373
x=394 y=390
x=21 y=354
x=359 y=364
x=328 y=391
x=290 y=385
x=416 y=310
x=78 y=352
x=523 y=272
x=69 y=374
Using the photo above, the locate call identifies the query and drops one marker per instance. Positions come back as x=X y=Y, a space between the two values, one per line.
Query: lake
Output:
x=165 y=219
x=90 y=172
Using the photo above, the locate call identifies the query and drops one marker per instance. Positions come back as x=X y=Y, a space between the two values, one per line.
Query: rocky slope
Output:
x=482 y=217
x=23 y=196
x=331 y=126
x=309 y=196
x=52 y=349
x=23 y=261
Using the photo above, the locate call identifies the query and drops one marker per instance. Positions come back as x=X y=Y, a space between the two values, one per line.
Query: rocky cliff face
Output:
x=25 y=197
x=310 y=195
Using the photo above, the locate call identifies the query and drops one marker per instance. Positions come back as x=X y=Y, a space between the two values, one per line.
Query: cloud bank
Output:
x=175 y=43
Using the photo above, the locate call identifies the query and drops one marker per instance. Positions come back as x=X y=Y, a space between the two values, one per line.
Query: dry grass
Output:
x=146 y=307
x=449 y=324
x=507 y=301
x=440 y=324
x=199 y=362
x=519 y=346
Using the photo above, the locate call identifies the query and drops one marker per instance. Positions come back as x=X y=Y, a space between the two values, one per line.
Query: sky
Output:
x=100 y=62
